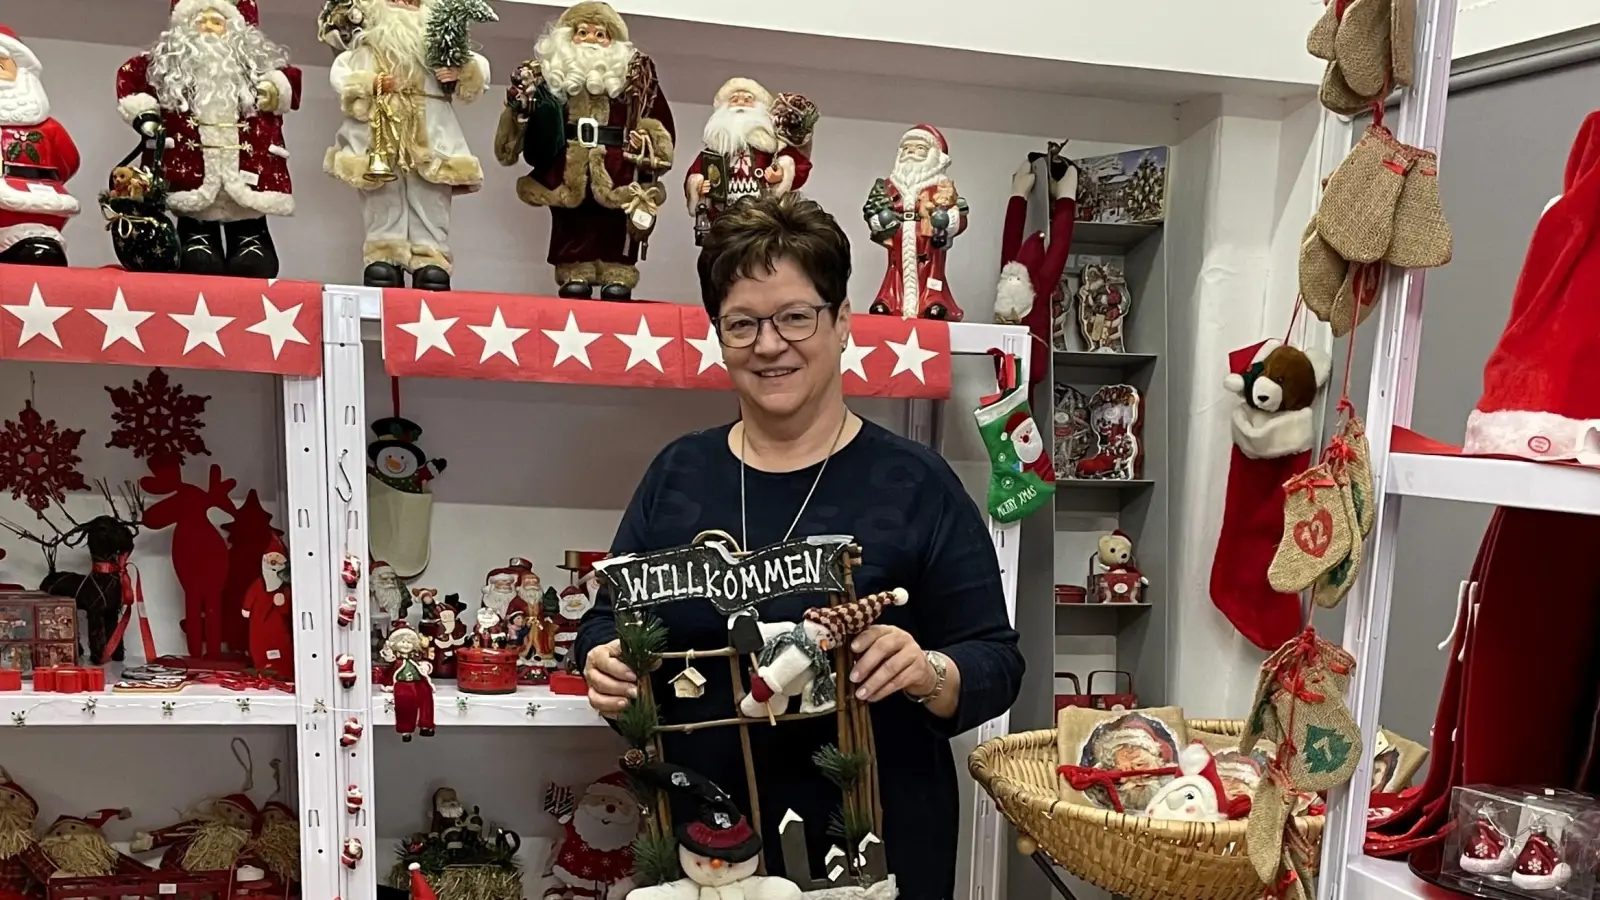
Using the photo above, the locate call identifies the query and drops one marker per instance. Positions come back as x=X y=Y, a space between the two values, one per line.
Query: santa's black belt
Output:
x=29 y=173
x=590 y=133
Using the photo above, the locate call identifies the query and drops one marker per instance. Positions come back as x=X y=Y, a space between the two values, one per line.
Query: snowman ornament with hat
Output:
x=400 y=496
x=717 y=849
x=795 y=658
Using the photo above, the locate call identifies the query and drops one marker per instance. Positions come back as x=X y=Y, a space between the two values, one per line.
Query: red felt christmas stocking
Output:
x=1271 y=446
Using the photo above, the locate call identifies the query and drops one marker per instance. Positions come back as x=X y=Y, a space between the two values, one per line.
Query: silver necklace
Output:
x=744 y=522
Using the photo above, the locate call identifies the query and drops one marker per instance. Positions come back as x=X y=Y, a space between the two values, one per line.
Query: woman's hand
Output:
x=612 y=685
x=888 y=660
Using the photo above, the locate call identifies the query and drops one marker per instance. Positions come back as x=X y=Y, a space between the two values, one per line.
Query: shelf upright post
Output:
x=346 y=513
x=1394 y=371
x=305 y=475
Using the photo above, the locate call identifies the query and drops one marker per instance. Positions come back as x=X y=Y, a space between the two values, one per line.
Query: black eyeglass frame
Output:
x=818 y=308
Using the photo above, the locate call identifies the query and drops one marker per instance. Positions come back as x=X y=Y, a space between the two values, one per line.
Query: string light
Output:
x=91 y=705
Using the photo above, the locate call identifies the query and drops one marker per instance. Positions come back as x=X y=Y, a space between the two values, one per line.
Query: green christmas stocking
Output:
x=1022 y=477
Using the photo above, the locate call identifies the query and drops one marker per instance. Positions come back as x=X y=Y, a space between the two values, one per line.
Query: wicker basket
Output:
x=1131 y=856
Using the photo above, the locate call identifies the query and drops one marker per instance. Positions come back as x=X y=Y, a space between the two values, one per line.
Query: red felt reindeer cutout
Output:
x=199 y=554
x=249 y=535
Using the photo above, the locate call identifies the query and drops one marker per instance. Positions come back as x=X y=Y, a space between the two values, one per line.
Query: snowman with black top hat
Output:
x=717 y=849
x=400 y=496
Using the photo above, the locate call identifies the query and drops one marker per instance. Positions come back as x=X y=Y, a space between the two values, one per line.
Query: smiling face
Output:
x=708 y=872
x=782 y=377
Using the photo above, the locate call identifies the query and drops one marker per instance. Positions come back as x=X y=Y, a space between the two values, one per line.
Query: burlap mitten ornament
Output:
x=1269 y=812
x=1422 y=236
x=1357 y=212
x=1322 y=272
x=1320 y=42
x=1358 y=464
x=1316 y=534
x=1356 y=298
x=1323 y=743
x=1335 y=583
x=1337 y=96
x=1362 y=46
x=1402 y=40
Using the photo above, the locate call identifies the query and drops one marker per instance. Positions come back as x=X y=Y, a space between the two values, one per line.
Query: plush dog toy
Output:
x=1279 y=389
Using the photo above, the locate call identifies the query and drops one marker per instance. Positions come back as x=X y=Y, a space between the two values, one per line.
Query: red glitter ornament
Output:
x=39 y=461
x=156 y=419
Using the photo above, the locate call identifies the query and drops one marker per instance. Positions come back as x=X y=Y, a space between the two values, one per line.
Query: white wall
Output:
x=1486 y=26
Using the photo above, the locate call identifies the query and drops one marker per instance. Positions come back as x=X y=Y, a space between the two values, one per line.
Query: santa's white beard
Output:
x=1013 y=297
x=388 y=595
x=602 y=835
x=213 y=76
x=397 y=34
x=582 y=68
x=23 y=102
x=530 y=596
x=498 y=600
x=272 y=576
x=734 y=128
x=912 y=175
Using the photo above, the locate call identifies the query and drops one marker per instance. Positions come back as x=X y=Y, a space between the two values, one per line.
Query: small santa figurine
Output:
x=442 y=625
x=37 y=158
x=489 y=633
x=574 y=603
x=530 y=590
x=1197 y=794
x=407 y=653
x=214 y=89
x=916 y=213
x=267 y=605
x=500 y=586
x=743 y=155
x=595 y=858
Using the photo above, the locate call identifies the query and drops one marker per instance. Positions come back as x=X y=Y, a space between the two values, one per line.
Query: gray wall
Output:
x=1504 y=152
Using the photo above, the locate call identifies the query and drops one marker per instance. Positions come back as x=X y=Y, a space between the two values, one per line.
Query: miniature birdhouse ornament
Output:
x=689 y=684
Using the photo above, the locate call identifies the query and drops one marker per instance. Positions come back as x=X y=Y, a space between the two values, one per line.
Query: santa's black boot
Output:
x=616 y=292
x=936 y=311
x=201 y=244
x=879 y=308
x=384 y=275
x=576 y=290
x=430 y=278
x=35 y=252
x=250 y=250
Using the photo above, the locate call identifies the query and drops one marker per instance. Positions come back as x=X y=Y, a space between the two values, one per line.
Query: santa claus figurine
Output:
x=442 y=625
x=589 y=117
x=206 y=842
x=743 y=156
x=595 y=858
x=500 y=586
x=267 y=606
x=401 y=145
x=18 y=812
x=37 y=157
x=214 y=89
x=74 y=846
x=916 y=213
x=574 y=603
x=1030 y=270
x=490 y=632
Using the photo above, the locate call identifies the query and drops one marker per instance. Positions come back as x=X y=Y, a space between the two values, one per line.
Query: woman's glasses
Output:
x=795 y=324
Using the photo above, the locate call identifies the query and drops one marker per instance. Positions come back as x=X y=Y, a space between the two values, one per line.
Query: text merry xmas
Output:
x=730 y=583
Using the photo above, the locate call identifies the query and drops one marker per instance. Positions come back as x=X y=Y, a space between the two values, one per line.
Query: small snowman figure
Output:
x=400 y=496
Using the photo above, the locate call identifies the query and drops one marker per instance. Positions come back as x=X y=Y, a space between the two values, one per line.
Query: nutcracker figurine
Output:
x=407 y=652
x=916 y=213
x=37 y=157
x=588 y=116
x=747 y=152
x=215 y=90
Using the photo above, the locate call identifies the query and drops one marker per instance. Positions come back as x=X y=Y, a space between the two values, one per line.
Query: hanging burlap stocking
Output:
x=1269 y=811
x=1323 y=742
x=1359 y=465
x=1357 y=212
x=1362 y=46
x=1402 y=37
x=1422 y=237
x=1356 y=298
x=1320 y=43
x=1335 y=583
x=1316 y=535
x=1337 y=96
x=1322 y=271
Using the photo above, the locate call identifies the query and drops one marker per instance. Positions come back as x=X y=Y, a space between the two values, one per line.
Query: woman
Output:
x=773 y=276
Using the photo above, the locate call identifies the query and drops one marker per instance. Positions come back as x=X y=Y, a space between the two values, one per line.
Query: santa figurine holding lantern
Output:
x=213 y=91
x=916 y=214
x=747 y=153
x=37 y=157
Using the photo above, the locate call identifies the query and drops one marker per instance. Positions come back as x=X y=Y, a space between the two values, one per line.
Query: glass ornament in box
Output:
x=1538 y=843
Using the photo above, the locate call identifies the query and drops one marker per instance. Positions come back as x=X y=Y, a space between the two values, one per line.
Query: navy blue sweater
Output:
x=918 y=529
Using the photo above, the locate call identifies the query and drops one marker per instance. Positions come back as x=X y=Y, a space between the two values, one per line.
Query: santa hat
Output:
x=420 y=888
x=614 y=788
x=847 y=619
x=514 y=569
x=1199 y=769
x=7 y=786
x=241 y=802
x=927 y=133
x=92 y=822
x=1541 y=391
x=593 y=12
x=1016 y=420
x=12 y=46
x=244 y=11
x=276 y=545
x=749 y=86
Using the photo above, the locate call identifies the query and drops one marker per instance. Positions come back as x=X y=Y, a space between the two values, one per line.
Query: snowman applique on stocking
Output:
x=400 y=496
x=1022 y=477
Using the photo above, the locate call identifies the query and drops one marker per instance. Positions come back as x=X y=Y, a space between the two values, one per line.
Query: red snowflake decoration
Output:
x=38 y=461
x=156 y=419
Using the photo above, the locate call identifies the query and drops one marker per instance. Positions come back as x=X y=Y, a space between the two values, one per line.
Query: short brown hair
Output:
x=758 y=232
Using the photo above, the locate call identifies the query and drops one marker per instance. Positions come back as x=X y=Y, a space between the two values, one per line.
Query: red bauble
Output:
x=39 y=461
x=155 y=419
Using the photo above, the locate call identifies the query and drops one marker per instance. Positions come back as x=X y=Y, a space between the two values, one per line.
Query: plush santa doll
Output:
x=74 y=846
x=401 y=145
x=215 y=90
x=18 y=812
x=916 y=213
x=1030 y=270
x=276 y=842
x=743 y=155
x=37 y=158
x=268 y=607
x=588 y=116
x=595 y=858
x=1197 y=794
x=209 y=841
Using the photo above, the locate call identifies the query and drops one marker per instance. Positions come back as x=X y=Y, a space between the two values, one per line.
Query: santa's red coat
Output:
x=39 y=160
x=579 y=865
x=271 y=629
x=929 y=282
x=794 y=165
x=200 y=163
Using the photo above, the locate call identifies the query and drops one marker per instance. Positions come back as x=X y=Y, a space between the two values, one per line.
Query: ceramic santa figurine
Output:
x=401 y=146
x=37 y=158
x=489 y=632
x=743 y=156
x=407 y=653
x=796 y=659
x=595 y=857
x=500 y=586
x=442 y=625
x=391 y=601
x=916 y=213
x=215 y=90
x=717 y=849
x=207 y=841
x=267 y=605
x=574 y=603
x=588 y=116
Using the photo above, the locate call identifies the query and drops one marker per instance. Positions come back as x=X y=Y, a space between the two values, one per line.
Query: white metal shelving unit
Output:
x=346 y=308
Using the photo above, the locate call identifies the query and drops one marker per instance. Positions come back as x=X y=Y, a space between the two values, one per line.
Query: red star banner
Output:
x=507 y=337
x=175 y=321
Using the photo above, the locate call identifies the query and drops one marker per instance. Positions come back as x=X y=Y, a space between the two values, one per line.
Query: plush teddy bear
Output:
x=1117 y=576
x=1116 y=553
x=1278 y=391
x=1197 y=794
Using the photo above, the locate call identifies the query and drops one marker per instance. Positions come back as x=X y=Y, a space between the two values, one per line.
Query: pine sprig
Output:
x=655 y=859
x=637 y=722
x=843 y=769
x=642 y=638
x=449 y=31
